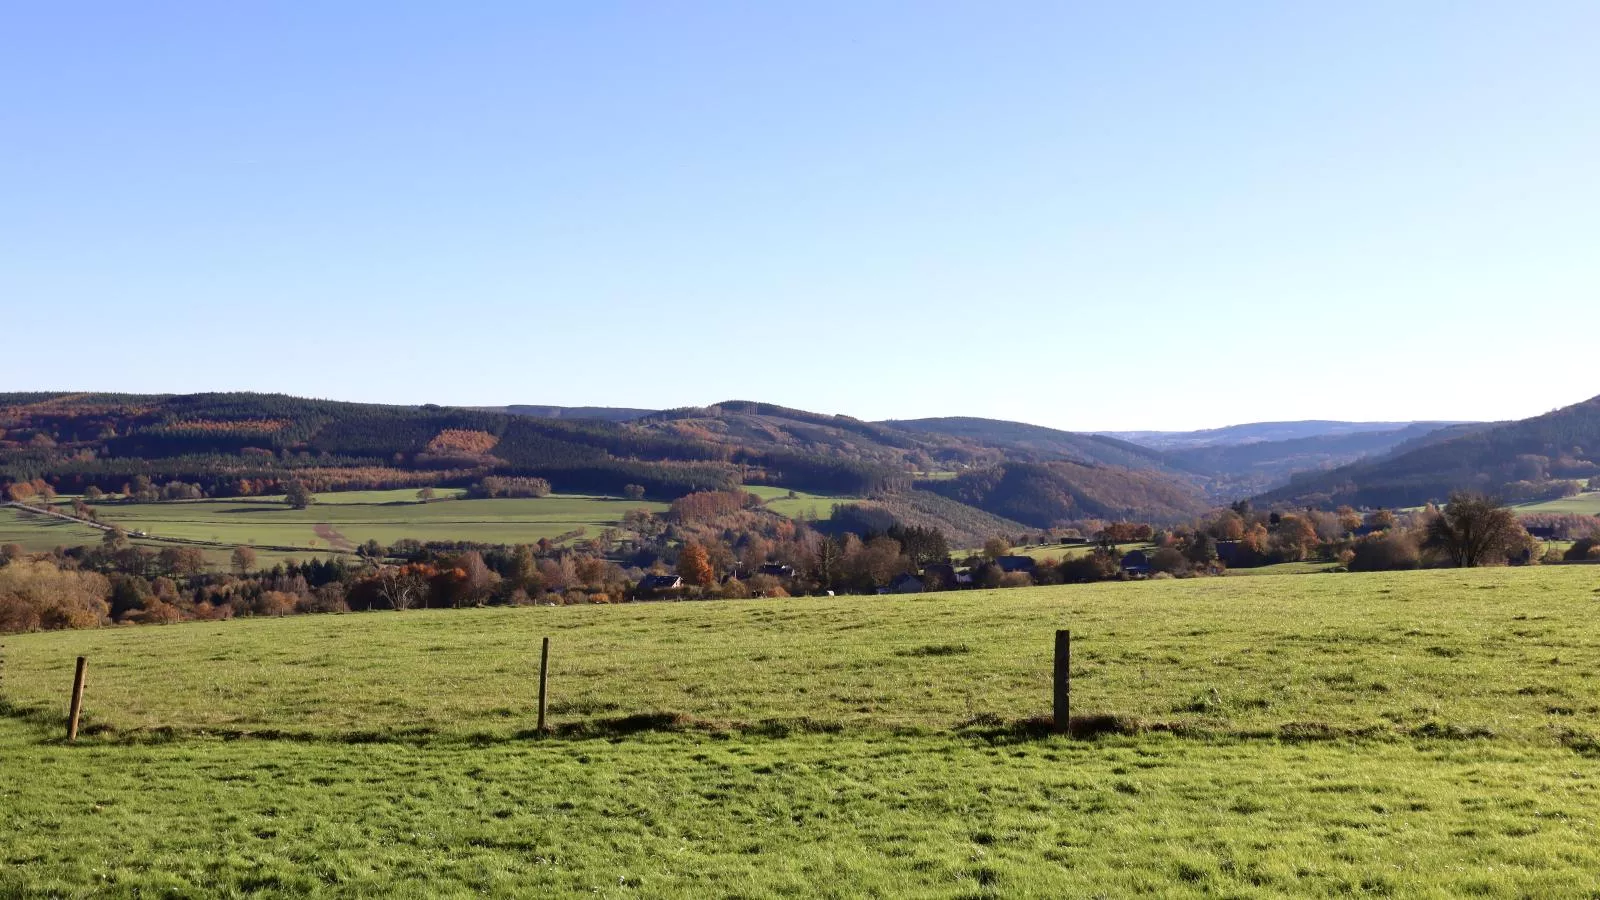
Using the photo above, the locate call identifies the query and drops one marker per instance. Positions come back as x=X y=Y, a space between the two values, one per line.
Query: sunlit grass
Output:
x=1413 y=734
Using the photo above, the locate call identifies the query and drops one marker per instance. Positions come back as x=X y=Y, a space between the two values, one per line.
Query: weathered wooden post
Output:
x=77 y=699
x=1063 y=681
x=544 y=676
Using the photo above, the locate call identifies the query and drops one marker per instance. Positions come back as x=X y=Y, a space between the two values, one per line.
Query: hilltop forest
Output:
x=234 y=445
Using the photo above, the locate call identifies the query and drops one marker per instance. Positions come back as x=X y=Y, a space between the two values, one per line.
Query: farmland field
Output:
x=1418 y=734
x=1067 y=551
x=340 y=521
x=1585 y=504
x=802 y=504
x=44 y=533
x=40 y=533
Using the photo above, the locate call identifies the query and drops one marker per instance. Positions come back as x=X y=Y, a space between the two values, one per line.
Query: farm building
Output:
x=660 y=583
x=940 y=575
x=1136 y=563
x=1015 y=563
x=907 y=584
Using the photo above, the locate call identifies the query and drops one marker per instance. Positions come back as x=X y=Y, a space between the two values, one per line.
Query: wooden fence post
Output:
x=1063 y=682
x=544 y=675
x=77 y=699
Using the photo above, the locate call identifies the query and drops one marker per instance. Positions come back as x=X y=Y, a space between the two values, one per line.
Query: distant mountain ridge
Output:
x=1256 y=432
x=1227 y=463
x=600 y=413
x=1037 y=439
x=1521 y=460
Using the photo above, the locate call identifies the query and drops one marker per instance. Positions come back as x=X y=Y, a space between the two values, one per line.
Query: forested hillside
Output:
x=1243 y=469
x=602 y=413
x=1258 y=432
x=1036 y=443
x=1547 y=456
x=1043 y=494
x=1226 y=463
x=233 y=445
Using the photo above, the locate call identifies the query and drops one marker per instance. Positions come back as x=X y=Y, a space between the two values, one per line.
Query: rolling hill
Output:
x=1517 y=461
x=1038 y=443
x=1256 y=432
x=1044 y=494
x=1226 y=463
x=1242 y=469
x=600 y=413
x=234 y=445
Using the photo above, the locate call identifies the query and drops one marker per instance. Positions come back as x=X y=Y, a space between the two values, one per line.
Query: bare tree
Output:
x=1473 y=530
x=399 y=588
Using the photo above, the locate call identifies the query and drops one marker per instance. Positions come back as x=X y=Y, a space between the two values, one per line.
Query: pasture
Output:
x=39 y=534
x=800 y=505
x=1585 y=504
x=342 y=521
x=1417 y=734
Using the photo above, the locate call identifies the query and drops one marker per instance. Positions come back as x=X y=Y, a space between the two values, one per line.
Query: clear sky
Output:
x=1092 y=216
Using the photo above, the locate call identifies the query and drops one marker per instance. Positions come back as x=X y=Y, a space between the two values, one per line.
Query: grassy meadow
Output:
x=342 y=521
x=40 y=534
x=339 y=522
x=1417 y=734
x=1584 y=504
x=801 y=505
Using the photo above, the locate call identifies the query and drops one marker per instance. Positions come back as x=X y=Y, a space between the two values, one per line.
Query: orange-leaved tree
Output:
x=694 y=565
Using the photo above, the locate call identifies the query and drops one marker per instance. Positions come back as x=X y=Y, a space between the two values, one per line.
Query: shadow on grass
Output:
x=35 y=714
x=989 y=727
x=996 y=729
x=619 y=727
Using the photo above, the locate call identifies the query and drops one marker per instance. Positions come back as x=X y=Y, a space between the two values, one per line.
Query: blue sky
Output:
x=1090 y=216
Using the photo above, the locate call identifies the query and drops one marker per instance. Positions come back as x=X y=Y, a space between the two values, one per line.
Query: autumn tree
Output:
x=425 y=495
x=297 y=495
x=633 y=491
x=1227 y=526
x=182 y=560
x=996 y=547
x=36 y=595
x=1474 y=530
x=1295 y=537
x=694 y=565
x=477 y=581
x=244 y=559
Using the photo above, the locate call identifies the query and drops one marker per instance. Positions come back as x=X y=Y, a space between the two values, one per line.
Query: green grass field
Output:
x=1585 y=504
x=338 y=522
x=39 y=534
x=1414 y=734
x=1057 y=551
x=802 y=505
x=341 y=521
